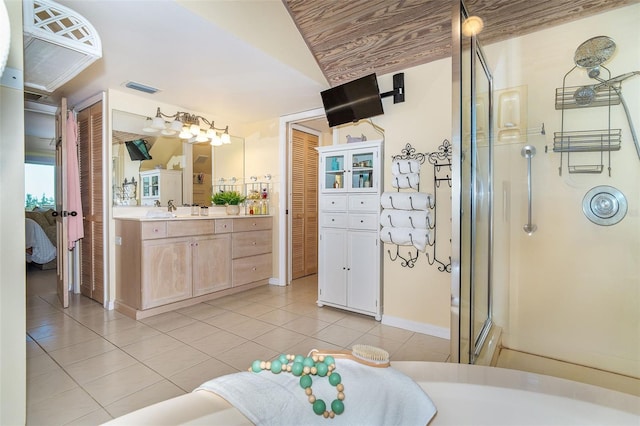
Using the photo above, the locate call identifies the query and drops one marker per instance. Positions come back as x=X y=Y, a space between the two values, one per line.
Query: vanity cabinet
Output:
x=161 y=185
x=349 y=249
x=251 y=253
x=167 y=264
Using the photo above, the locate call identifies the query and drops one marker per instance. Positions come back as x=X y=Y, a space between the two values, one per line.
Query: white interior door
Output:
x=61 y=205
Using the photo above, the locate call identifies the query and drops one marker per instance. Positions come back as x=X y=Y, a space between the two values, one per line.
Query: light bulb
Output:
x=472 y=26
x=226 y=139
x=157 y=123
x=147 y=126
x=201 y=137
x=185 y=133
x=194 y=129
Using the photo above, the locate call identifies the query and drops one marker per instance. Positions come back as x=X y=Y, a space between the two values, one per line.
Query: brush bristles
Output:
x=370 y=353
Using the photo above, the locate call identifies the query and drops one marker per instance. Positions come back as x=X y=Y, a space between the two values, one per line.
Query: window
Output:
x=39 y=186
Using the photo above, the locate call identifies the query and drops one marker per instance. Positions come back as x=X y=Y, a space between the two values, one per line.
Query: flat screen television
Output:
x=352 y=101
x=138 y=150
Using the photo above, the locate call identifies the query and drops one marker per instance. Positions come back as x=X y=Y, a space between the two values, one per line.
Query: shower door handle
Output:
x=528 y=151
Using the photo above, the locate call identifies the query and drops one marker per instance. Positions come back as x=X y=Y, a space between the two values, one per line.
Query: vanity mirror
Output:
x=186 y=171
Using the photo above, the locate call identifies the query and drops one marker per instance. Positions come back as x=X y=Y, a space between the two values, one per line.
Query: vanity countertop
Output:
x=186 y=217
x=183 y=213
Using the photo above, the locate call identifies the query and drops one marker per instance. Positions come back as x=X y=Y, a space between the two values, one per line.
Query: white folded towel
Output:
x=405 y=218
x=406 y=180
x=374 y=396
x=404 y=166
x=406 y=200
x=418 y=238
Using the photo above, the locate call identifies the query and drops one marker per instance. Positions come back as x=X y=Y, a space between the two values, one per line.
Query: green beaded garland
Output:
x=337 y=406
x=296 y=368
x=319 y=406
x=276 y=366
x=297 y=365
x=335 y=379
x=305 y=381
x=322 y=369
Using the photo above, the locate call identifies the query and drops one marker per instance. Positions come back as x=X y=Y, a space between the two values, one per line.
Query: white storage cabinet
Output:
x=349 y=249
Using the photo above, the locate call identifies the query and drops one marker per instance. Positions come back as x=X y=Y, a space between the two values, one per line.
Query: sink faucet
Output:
x=171 y=206
x=156 y=203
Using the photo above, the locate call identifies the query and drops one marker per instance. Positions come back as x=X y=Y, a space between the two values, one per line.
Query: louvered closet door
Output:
x=91 y=175
x=304 y=204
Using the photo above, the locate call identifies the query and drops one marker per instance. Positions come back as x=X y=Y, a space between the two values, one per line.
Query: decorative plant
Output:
x=223 y=198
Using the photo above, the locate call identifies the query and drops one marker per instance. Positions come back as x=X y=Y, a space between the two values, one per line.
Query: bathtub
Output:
x=462 y=394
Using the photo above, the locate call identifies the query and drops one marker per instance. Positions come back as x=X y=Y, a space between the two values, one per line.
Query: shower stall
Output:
x=546 y=245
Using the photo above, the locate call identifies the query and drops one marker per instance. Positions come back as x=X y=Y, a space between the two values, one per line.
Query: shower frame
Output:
x=472 y=257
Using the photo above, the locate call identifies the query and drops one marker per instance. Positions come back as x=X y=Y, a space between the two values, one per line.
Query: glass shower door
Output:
x=473 y=132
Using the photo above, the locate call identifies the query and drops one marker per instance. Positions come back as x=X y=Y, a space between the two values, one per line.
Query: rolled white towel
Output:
x=418 y=238
x=405 y=166
x=405 y=218
x=406 y=200
x=406 y=181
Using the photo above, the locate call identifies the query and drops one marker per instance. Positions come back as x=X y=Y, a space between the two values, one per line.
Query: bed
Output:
x=40 y=238
x=462 y=394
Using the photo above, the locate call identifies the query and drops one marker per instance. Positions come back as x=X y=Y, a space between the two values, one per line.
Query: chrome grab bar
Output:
x=528 y=152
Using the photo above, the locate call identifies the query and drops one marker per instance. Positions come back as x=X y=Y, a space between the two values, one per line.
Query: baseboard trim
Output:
x=418 y=327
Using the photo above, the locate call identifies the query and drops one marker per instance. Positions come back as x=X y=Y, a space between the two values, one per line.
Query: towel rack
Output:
x=441 y=162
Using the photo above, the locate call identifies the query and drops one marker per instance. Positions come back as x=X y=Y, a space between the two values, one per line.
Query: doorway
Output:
x=312 y=122
x=304 y=202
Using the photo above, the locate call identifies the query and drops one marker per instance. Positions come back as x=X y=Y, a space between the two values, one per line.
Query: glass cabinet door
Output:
x=334 y=172
x=363 y=170
x=155 y=188
x=146 y=190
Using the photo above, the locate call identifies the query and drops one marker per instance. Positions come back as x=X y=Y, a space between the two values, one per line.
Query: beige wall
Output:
x=414 y=298
x=571 y=291
x=261 y=158
x=12 y=272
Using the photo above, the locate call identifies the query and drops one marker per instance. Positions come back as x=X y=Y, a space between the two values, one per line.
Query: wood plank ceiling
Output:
x=350 y=39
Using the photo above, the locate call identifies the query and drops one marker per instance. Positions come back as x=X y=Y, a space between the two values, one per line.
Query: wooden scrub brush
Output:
x=364 y=354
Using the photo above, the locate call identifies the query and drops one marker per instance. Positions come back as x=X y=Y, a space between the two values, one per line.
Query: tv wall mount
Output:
x=398 y=89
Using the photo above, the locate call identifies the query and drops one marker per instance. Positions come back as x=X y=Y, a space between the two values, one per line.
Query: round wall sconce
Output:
x=604 y=205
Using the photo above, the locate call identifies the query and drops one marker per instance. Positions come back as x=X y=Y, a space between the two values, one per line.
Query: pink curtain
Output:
x=74 y=202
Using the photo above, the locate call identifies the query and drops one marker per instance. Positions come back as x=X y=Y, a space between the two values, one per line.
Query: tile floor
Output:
x=86 y=365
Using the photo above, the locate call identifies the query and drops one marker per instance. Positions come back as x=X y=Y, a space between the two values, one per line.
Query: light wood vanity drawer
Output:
x=183 y=228
x=223 y=226
x=249 y=269
x=250 y=243
x=333 y=202
x=251 y=224
x=151 y=230
x=363 y=221
x=334 y=220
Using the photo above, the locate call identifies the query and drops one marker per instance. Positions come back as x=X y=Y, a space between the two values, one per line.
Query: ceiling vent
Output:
x=58 y=44
x=140 y=87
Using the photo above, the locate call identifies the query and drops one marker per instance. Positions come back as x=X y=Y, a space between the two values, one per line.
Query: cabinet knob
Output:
x=253 y=243
x=254 y=268
x=361 y=221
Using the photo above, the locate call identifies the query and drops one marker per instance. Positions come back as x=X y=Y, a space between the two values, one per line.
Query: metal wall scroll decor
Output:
x=441 y=162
